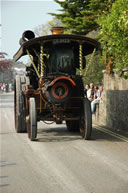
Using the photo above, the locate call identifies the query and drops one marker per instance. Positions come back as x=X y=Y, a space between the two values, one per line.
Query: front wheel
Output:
x=32 y=124
x=86 y=120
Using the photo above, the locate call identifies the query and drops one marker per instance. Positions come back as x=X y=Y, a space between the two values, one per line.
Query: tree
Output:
x=46 y=29
x=80 y=16
x=38 y=30
x=94 y=72
x=5 y=64
x=114 y=35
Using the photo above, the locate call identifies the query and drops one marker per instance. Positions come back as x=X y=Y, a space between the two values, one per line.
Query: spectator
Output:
x=86 y=88
x=10 y=87
x=96 y=92
x=4 y=87
x=0 y=86
x=97 y=100
x=90 y=92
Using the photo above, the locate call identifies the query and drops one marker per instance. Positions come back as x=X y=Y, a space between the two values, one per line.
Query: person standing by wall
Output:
x=90 y=92
x=86 y=88
x=97 y=100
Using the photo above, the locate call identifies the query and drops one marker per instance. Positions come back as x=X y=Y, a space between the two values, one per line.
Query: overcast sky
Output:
x=18 y=16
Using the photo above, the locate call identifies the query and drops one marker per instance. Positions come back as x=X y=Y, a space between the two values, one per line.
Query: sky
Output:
x=18 y=16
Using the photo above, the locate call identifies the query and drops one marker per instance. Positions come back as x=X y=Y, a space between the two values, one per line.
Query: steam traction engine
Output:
x=51 y=90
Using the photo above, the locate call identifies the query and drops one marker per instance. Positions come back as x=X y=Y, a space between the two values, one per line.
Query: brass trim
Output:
x=42 y=60
x=33 y=63
x=81 y=59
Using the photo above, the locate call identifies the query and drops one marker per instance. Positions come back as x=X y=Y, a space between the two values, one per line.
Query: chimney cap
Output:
x=57 y=30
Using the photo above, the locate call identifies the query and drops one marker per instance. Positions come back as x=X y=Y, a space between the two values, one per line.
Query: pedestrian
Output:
x=90 y=93
x=97 y=100
x=86 y=88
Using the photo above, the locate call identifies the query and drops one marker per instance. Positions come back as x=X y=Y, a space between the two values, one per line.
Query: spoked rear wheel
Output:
x=86 y=120
x=19 y=106
x=32 y=123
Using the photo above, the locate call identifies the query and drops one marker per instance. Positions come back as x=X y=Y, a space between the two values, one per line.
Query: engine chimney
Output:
x=57 y=30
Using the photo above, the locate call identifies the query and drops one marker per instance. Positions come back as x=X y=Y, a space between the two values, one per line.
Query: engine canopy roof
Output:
x=59 y=39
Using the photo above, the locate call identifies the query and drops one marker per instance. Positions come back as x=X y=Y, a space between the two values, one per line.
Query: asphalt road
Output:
x=59 y=161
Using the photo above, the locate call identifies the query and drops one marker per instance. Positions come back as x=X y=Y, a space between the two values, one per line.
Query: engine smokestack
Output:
x=27 y=35
x=57 y=30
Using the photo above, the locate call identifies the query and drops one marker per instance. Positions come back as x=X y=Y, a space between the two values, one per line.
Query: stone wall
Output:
x=113 y=112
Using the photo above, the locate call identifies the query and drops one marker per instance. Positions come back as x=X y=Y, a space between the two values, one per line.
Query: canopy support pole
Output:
x=34 y=66
x=81 y=59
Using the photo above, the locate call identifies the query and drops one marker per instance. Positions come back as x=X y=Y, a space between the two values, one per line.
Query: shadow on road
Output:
x=56 y=135
x=101 y=136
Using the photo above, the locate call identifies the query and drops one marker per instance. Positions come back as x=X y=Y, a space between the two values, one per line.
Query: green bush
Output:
x=114 y=35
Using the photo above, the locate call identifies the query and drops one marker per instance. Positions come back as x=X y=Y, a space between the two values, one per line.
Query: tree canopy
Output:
x=5 y=64
x=80 y=16
x=114 y=35
x=45 y=29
